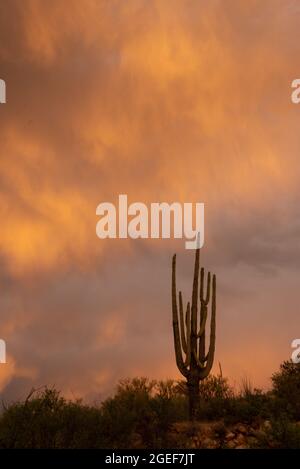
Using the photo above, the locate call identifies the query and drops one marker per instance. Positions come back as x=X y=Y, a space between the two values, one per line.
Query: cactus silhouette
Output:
x=192 y=360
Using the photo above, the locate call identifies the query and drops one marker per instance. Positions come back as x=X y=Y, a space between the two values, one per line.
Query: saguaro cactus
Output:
x=192 y=360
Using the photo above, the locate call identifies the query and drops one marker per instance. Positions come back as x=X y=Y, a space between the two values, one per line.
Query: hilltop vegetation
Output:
x=151 y=414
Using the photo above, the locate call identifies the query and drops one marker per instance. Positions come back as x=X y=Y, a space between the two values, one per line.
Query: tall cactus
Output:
x=189 y=333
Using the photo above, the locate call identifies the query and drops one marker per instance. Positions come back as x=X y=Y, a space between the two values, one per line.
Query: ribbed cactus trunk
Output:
x=193 y=395
x=192 y=360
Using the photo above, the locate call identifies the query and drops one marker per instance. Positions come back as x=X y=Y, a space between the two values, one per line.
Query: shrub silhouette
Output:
x=49 y=421
x=281 y=434
x=142 y=410
x=286 y=387
x=142 y=414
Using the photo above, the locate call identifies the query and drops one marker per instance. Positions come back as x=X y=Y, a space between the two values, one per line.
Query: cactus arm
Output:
x=203 y=323
x=195 y=293
x=203 y=314
x=188 y=316
x=202 y=334
x=206 y=299
x=194 y=309
x=177 y=344
x=201 y=283
x=211 y=351
x=200 y=365
x=182 y=329
x=188 y=335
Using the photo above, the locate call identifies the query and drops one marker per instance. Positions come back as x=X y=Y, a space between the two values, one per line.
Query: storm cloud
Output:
x=163 y=101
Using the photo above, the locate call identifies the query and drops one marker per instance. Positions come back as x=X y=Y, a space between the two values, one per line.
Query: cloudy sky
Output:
x=184 y=101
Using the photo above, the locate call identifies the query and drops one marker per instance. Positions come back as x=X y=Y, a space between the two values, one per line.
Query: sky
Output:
x=186 y=101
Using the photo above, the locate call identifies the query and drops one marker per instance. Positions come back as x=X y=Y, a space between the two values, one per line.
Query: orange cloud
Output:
x=164 y=101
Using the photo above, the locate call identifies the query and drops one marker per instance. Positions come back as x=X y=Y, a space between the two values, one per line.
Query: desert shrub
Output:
x=129 y=414
x=286 y=389
x=169 y=405
x=141 y=411
x=254 y=407
x=49 y=421
x=280 y=434
x=215 y=387
x=139 y=414
x=246 y=388
x=214 y=394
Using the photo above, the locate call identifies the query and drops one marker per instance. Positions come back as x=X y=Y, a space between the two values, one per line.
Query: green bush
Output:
x=142 y=412
x=286 y=389
x=129 y=415
x=281 y=434
x=49 y=421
